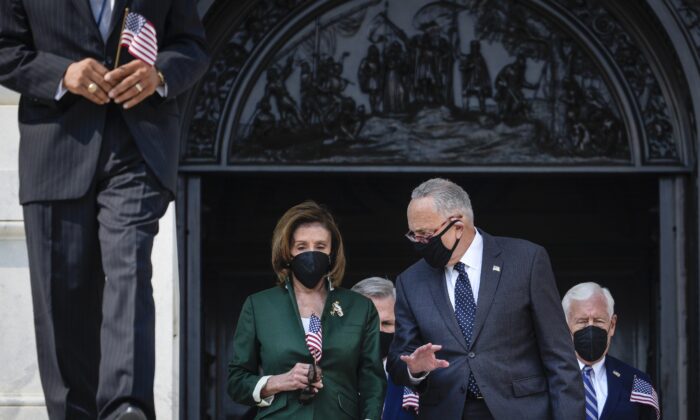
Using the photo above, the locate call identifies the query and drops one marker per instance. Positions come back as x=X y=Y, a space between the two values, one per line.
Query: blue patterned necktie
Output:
x=465 y=311
x=591 y=400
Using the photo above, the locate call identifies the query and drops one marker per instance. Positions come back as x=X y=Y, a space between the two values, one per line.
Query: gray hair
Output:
x=584 y=291
x=448 y=197
x=375 y=287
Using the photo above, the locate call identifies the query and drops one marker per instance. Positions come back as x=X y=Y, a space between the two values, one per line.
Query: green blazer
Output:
x=270 y=340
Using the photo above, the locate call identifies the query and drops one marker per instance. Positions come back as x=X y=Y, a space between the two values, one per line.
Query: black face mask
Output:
x=385 y=340
x=310 y=267
x=434 y=252
x=590 y=343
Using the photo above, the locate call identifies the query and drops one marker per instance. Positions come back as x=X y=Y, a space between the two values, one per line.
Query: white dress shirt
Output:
x=600 y=383
x=472 y=260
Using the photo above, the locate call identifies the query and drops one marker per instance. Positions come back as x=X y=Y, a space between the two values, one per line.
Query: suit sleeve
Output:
x=33 y=73
x=554 y=342
x=243 y=370
x=182 y=57
x=647 y=412
x=372 y=382
x=406 y=339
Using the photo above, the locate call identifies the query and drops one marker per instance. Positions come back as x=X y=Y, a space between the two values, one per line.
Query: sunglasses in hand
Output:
x=308 y=393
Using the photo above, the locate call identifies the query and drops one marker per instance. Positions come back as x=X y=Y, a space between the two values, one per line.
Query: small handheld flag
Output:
x=139 y=36
x=410 y=400
x=314 y=338
x=644 y=393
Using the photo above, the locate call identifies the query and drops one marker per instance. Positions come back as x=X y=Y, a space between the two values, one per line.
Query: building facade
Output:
x=572 y=123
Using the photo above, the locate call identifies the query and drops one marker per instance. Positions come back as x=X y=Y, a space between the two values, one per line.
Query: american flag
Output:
x=140 y=36
x=314 y=338
x=410 y=400
x=644 y=393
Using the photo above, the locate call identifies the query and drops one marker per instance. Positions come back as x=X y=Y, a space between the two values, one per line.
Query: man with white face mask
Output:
x=614 y=390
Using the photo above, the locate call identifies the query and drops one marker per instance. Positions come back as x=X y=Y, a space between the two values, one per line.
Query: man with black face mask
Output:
x=614 y=390
x=400 y=403
x=479 y=323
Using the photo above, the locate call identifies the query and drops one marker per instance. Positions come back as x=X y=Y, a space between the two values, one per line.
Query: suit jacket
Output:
x=60 y=140
x=393 y=403
x=618 y=406
x=270 y=340
x=521 y=354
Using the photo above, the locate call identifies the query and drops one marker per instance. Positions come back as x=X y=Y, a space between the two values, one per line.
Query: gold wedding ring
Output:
x=92 y=87
x=139 y=87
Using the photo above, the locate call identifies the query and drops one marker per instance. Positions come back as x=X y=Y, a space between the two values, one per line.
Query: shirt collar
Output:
x=598 y=367
x=472 y=258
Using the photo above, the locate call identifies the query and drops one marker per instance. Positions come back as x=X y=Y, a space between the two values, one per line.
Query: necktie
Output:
x=591 y=400
x=102 y=12
x=465 y=311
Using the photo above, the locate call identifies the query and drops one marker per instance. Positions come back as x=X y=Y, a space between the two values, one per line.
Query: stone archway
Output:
x=598 y=87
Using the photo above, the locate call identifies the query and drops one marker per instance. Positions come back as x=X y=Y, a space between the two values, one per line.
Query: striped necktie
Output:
x=591 y=400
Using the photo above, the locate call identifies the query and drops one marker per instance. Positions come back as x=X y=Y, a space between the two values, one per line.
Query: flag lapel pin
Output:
x=496 y=268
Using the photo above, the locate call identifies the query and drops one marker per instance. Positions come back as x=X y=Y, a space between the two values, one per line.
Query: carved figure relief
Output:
x=421 y=82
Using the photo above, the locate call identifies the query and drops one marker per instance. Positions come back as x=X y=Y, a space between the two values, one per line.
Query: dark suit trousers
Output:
x=90 y=266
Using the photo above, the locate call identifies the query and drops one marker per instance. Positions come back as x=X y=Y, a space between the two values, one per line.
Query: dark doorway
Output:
x=599 y=228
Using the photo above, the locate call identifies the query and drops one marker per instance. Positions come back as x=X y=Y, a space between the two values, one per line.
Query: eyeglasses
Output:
x=423 y=239
x=308 y=393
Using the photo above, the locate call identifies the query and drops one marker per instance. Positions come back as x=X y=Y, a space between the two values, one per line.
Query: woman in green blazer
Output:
x=308 y=324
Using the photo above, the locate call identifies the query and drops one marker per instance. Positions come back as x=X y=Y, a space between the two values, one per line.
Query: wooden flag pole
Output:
x=119 y=42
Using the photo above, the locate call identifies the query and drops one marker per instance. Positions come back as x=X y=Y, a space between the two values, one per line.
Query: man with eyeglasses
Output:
x=480 y=332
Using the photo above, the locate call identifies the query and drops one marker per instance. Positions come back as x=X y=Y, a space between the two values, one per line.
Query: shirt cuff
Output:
x=162 y=91
x=414 y=380
x=262 y=402
x=60 y=91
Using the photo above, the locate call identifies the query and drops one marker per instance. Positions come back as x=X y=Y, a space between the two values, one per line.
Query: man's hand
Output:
x=133 y=82
x=423 y=360
x=296 y=378
x=82 y=74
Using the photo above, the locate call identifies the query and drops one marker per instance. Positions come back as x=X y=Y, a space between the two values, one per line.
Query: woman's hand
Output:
x=296 y=378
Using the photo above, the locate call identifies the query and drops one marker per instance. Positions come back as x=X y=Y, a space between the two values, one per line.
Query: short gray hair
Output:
x=448 y=197
x=375 y=287
x=584 y=291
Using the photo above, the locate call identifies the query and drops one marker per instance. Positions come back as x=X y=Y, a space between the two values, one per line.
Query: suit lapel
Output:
x=489 y=282
x=117 y=16
x=84 y=10
x=615 y=384
x=301 y=334
x=438 y=289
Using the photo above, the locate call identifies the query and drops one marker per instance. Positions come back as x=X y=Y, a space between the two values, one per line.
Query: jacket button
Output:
x=471 y=355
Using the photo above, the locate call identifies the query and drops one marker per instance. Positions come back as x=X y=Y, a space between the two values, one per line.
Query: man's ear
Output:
x=613 y=324
x=459 y=227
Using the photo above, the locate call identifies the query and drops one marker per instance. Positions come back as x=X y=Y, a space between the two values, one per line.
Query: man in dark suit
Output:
x=400 y=403
x=478 y=321
x=614 y=390
x=98 y=167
